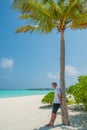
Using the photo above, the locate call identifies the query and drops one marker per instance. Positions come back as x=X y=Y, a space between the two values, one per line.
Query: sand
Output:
x=28 y=113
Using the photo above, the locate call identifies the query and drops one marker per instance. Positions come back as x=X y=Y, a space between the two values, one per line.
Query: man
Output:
x=56 y=104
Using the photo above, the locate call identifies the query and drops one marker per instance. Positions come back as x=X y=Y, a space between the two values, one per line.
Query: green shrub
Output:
x=48 y=98
x=70 y=102
x=71 y=89
x=79 y=91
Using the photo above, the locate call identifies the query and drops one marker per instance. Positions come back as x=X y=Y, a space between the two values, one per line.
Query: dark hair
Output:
x=54 y=83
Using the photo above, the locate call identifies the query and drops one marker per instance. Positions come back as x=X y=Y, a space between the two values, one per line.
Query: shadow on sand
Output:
x=79 y=120
x=48 y=128
x=46 y=107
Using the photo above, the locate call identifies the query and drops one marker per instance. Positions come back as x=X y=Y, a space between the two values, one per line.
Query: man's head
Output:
x=54 y=85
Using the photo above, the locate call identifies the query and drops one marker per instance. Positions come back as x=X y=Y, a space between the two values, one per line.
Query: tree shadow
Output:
x=79 y=120
x=46 y=107
x=48 y=128
x=77 y=108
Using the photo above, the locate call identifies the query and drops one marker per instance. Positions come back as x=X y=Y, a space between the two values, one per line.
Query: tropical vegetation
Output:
x=79 y=91
x=48 y=98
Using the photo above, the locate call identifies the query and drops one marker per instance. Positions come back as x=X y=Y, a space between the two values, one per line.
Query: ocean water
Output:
x=18 y=93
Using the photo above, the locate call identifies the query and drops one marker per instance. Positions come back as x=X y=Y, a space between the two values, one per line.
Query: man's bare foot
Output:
x=48 y=125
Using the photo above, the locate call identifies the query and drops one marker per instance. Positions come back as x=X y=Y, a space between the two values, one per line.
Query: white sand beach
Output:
x=28 y=113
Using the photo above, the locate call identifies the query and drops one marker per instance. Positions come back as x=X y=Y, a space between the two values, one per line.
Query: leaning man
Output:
x=56 y=104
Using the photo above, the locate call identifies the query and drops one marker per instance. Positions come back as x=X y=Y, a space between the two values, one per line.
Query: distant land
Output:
x=39 y=89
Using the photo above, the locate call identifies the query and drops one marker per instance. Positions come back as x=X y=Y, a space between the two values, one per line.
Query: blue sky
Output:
x=32 y=60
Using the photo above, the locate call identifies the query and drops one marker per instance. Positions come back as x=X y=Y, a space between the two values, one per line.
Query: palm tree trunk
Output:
x=64 y=110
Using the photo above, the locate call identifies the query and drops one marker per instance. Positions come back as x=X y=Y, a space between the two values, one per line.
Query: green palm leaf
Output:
x=49 y=14
x=32 y=28
x=79 y=22
x=27 y=28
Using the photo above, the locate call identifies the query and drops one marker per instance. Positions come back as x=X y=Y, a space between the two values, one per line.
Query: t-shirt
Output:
x=56 y=99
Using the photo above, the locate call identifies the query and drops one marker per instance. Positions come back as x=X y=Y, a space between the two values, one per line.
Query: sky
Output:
x=32 y=60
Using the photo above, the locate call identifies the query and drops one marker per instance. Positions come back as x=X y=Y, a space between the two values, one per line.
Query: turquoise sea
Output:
x=17 y=93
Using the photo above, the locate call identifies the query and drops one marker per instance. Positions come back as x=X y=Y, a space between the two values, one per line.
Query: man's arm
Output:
x=60 y=98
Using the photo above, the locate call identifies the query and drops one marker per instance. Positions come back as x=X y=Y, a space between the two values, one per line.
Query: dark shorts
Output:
x=55 y=108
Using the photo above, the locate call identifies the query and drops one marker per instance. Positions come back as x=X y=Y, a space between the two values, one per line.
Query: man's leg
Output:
x=53 y=116
x=52 y=120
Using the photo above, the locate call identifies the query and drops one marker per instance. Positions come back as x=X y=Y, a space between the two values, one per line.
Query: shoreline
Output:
x=21 y=96
x=27 y=112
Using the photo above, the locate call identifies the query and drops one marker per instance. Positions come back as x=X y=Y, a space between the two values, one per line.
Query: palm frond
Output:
x=79 y=22
x=79 y=25
x=27 y=28
x=32 y=28
x=45 y=15
x=37 y=13
x=47 y=1
x=31 y=6
x=68 y=9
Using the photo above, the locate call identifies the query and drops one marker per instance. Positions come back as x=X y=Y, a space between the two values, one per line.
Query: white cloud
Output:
x=71 y=75
x=71 y=71
x=52 y=75
x=7 y=63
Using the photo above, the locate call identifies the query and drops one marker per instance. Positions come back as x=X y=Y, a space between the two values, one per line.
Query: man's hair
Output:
x=54 y=83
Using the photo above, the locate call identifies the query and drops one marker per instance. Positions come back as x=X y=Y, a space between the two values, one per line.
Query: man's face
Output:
x=54 y=86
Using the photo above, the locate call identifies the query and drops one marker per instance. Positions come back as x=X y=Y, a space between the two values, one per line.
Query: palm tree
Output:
x=44 y=16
